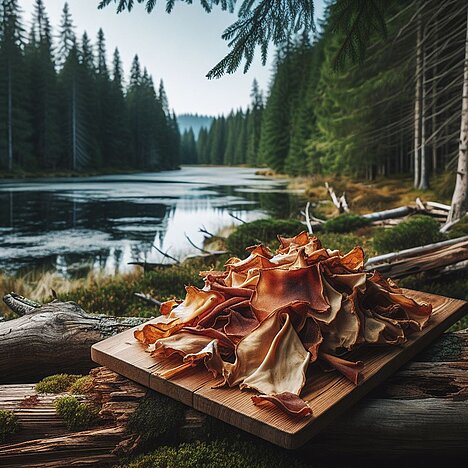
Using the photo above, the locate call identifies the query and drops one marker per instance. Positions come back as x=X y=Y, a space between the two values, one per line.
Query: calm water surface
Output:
x=74 y=225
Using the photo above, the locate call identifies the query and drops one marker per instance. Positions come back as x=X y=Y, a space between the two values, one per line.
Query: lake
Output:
x=75 y=225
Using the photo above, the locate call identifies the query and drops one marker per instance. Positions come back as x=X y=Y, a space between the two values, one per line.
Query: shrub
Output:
x=76 y=415
x=262 y=231
x=345 y=223
x=8 y=425
x=219 y=453
x=417 y=230
x=58 y=383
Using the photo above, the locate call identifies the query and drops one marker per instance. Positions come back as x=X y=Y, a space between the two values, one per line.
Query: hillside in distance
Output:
x=194 y=121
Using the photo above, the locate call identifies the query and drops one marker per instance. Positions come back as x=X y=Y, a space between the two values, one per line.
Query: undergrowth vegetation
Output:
x=415 y=231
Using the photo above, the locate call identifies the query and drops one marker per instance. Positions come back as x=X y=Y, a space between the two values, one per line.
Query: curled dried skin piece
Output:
x=286 y=401
x=351 y=370
x=284 y=365
x=197 y=303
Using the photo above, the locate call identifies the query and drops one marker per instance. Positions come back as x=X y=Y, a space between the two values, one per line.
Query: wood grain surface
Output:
x=328 y=394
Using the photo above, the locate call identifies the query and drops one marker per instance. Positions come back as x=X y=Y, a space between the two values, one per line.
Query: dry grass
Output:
x=367 y=197
x=38 y=285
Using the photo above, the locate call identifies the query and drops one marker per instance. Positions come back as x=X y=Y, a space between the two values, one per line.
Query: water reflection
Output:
x=73 y=226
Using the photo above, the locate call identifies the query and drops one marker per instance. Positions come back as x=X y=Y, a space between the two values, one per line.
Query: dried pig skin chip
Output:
x=197 y=303
x=351 y=370
x=263 y=320
x=288 y=402
x=277 y=288
x=284 y=366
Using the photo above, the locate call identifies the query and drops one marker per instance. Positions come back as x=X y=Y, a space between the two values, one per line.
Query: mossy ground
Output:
x=218 y=453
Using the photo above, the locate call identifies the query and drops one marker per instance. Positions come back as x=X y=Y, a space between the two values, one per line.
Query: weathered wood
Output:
x=340 y=202
x=54 y=338
x=390 y=214
x=422 y=409
x=328 y=394
x=413 y=252
x=422 y=259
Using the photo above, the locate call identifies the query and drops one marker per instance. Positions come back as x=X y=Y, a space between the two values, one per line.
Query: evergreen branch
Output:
x=259 y=23
x=357 y=21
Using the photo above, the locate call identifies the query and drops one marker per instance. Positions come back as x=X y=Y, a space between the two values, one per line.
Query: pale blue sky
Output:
x=180 y=48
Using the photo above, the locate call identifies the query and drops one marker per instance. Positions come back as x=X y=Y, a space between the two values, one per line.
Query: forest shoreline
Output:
x=26 y=175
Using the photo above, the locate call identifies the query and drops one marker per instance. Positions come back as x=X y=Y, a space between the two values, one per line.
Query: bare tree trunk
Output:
x=424 y=176
x=460 y=195
x=10 y=119
x=417 y=106
x=74 y=124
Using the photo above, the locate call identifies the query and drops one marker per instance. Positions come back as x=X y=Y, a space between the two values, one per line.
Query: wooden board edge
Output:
x=100 y=357
x=304 y=435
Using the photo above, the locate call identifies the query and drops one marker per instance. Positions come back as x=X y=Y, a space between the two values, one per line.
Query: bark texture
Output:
x=53 y=338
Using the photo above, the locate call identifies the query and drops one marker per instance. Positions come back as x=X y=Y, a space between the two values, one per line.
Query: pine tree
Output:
x=254 y=124
x=67 y=37
x=15 y=133
x=119 y=143
x=42 y=87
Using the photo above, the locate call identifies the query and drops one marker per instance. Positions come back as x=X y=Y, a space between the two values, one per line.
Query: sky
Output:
x=179 y=48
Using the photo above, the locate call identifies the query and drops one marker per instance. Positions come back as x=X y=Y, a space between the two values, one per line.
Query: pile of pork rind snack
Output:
x=263 y=321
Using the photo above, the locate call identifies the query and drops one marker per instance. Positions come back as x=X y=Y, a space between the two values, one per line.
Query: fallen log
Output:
x=420 y=412
x=52 y=338
x=415 y=251
x=390 y=214
x=421 y=259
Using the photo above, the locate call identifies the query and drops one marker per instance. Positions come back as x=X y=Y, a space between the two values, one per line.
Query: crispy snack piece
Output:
x=260 y=323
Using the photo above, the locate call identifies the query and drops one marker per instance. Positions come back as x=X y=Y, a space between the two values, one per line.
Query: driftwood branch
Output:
x=419 y=413
x=53 y=338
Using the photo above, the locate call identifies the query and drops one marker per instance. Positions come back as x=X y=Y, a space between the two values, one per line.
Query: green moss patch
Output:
x=81 y=385
x=157 y=417
x=219 y=453
x=9 y=425
x=77 y=416
x=58 y=383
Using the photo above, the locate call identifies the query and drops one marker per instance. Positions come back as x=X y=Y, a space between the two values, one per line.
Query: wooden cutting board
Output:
x=328 y=394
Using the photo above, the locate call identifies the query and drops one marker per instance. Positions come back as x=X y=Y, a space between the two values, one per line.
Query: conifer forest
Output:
x=63 y=107
x=395 y=110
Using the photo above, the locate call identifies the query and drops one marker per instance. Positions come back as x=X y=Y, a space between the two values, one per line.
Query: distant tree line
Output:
x=396 y=111
x=229 y=140
x=62 y=106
